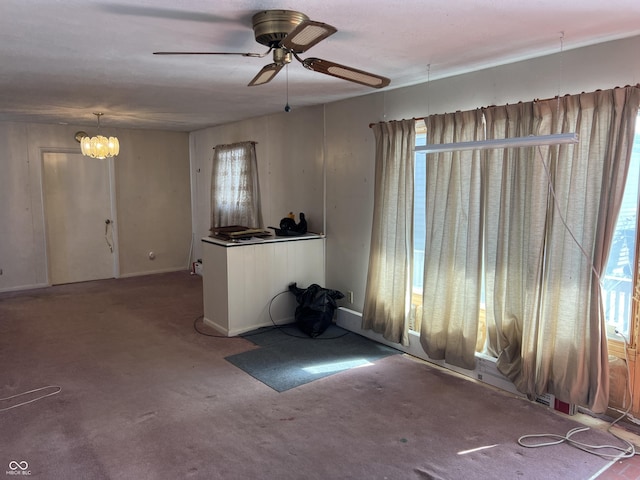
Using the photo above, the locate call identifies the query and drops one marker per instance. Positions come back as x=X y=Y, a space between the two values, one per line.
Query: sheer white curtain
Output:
x=549 y=222
x=389 y=279
x=453 y=247
x=235 y=192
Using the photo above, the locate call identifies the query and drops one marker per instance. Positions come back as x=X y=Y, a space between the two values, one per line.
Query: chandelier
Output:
x=98 y=146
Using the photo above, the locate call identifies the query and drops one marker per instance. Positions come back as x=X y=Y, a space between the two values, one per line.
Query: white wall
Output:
x=290 y=167
x=339 y=134
x=350 y=154
x=152 y=200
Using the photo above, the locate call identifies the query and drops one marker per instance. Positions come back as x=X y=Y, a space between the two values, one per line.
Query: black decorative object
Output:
x=289 y=227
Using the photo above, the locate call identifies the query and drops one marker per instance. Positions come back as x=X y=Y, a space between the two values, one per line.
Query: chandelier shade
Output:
x=98 y=146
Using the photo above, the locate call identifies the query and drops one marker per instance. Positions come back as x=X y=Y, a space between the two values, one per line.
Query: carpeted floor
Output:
x=144 y=396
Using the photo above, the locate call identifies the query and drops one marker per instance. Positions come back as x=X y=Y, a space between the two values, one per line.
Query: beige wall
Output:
x=339 y=134
x=152 y=200
x=290 y=160
x=317 y=160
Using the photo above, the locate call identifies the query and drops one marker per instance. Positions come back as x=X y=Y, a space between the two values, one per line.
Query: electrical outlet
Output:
x=350 y=296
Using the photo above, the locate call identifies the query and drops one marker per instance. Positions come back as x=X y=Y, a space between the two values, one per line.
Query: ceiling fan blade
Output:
x=306 y=35
x=255 y=55
x=345 y=73
x=266 y=74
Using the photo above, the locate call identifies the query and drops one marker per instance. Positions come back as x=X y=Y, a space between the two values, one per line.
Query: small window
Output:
x=235 y=194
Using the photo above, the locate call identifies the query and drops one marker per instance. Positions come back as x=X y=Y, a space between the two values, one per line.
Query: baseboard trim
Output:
x=239 y=331
x=154 y=272
x=24 y=287
x=215 y=326
x=485 y=371
x=34 y=286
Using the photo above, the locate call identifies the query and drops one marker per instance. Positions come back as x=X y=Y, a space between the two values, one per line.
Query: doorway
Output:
x=79 y=217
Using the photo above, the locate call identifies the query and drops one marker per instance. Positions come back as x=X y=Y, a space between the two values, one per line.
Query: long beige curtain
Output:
x=388 y=290
x=235 y=192
x=453 y=247
x=540 y=219
x=549 y=222
x=515 y=220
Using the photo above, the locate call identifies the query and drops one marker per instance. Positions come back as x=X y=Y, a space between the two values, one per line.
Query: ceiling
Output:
x=63 y=60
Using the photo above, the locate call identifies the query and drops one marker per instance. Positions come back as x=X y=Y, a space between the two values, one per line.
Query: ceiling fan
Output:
x=288 y=34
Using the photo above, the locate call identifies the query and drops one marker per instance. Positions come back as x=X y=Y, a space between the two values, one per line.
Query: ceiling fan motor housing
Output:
x=272 y=26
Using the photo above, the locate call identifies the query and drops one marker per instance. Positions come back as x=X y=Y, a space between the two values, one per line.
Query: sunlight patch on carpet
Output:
x=464 y=452
x=334 y=367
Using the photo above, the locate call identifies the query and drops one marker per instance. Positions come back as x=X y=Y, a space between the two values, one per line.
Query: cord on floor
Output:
x=628 y=452
x=57 y=390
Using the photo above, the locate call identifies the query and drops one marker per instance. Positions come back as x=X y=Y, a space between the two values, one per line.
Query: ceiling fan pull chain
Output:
x=287 y=107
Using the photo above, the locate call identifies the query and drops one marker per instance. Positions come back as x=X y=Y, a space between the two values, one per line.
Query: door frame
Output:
x=112 y=207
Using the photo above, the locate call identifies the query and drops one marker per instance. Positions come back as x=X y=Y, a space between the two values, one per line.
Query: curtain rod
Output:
x=232 y=144
x=482 y=108
x=414 y=119
x=637 y=85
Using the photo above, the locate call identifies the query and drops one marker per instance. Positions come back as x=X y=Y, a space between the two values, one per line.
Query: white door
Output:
x=79 y=219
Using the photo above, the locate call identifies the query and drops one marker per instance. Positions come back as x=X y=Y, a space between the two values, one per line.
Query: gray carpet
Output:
x=144 y=396
x=287 y=358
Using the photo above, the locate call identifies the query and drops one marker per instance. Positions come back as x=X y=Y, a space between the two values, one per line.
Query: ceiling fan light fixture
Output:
x=306 y=35
x=346 y=73
x=281 y=56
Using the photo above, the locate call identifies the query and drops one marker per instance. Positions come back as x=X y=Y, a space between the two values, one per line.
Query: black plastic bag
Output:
x=315 y=309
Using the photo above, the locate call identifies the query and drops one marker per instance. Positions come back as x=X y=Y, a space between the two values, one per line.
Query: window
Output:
x=618 y=280
x=235 y=195
x=419 y=223
x=419 y=213
x=617 y=283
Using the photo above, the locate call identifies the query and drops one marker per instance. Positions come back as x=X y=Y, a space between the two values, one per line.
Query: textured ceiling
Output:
x=62 y=60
